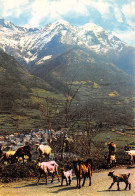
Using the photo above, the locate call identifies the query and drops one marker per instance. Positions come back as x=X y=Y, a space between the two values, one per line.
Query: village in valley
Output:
x=32 y=137
x=37 y=137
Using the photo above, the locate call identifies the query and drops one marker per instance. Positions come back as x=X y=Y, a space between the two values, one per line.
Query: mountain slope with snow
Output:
x=35 y=46
x=85 y=57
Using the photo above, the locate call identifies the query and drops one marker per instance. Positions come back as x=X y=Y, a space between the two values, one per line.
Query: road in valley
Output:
x=100 y=183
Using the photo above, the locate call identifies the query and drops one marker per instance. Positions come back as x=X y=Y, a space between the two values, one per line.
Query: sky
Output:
x=115 y=16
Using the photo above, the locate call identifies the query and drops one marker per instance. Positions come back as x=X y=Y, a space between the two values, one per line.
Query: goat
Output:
x=44 y=150
x=25 y=150
x=111 y=160
x=83 y=170
x=47 y=168
x=131 y=155
x=119 y=178
x=8 y=156
x=66 y=175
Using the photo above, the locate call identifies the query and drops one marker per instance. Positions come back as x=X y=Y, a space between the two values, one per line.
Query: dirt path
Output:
x=100 y=184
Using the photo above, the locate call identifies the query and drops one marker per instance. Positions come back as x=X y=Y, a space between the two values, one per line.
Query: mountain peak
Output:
x=9 y=25
x=92 y=27
x=61 y=21
x=6 y=23
x=36 y=45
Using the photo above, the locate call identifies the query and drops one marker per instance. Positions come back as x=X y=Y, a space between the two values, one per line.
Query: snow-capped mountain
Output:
x=86 y=56
x=35 y=46
x=96 y=38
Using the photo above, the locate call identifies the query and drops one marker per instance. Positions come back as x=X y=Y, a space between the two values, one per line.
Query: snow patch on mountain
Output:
x=44 y=59
x=30 y=44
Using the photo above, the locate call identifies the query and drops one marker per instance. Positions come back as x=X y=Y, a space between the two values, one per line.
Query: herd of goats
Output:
x=82 y=169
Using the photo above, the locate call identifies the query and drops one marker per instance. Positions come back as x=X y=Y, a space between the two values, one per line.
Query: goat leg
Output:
x=69 y=180
x=38 y=179
x=66 y=182
x=23 y=158
x=129 y=186
x=79 y=183
x=52 y=178
x=58 y=176
x=62 y=182
x=126 y=185
x=111 y=185
x=84 y=181
x=118 y=186
x=90 y=181
x=46 y=179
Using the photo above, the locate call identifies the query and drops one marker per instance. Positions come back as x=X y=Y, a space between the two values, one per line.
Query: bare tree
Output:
x=70 y=96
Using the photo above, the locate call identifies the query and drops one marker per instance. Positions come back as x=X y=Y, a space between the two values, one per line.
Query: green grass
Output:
x=120 y=140
x=42 y=94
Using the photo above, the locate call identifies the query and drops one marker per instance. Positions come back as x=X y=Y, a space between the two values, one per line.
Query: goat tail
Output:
x=128 y=175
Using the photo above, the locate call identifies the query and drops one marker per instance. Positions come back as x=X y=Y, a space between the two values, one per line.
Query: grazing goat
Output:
x=47 y=168
x=131 y=155
x=111 y=160
x=83 y=170
x=8 y=156
x=44 y=150
x=66 y=175
x=119 y=178
x=25 y=150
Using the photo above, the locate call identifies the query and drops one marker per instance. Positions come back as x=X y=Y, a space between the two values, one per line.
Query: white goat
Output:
x=48 y=168
x=131 y=154
x=44 y=150
x=111 y=160
x=66 y=175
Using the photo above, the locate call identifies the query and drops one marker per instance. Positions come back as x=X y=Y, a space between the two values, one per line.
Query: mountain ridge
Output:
x=34 y=46
x=61 y=56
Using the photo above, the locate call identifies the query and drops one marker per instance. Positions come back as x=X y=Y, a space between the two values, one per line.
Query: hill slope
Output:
x=18 y=96
x=102 y=86
x=86 y=57
x=79 y=64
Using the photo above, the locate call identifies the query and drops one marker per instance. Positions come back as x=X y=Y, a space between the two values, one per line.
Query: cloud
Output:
x=129 y=12
x=12 y=7
x=103 y=7
x=118 y=14
x=52 y=10
x=55 y=10
x=128 y=36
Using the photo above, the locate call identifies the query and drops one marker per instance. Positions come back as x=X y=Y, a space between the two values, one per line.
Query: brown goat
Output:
x=119 y=178
x=83 y=170
x=25 y=150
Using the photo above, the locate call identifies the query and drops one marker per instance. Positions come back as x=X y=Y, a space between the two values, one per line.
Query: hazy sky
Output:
x=116 y=16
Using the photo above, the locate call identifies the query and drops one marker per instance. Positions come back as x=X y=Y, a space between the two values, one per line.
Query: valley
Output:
x=65 y=75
